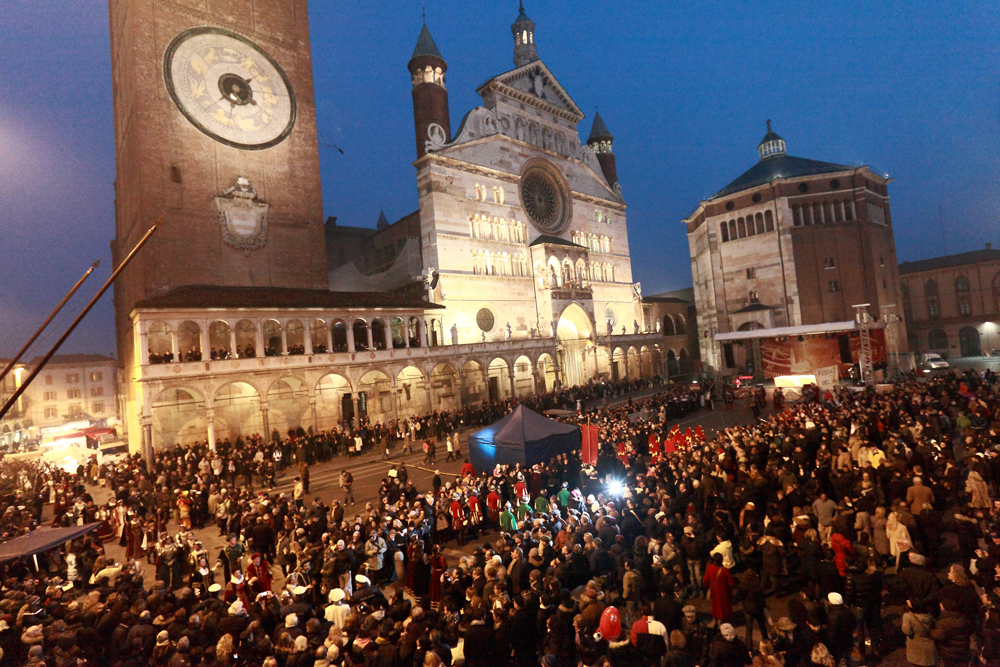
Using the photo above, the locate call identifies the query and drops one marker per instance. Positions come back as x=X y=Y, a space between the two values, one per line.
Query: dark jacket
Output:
x=480 y=650
x=951 y=636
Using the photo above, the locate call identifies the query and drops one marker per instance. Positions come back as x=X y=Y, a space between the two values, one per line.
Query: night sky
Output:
x=908 y=88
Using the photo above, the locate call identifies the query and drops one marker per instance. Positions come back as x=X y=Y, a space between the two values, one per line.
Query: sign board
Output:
x=827 y=378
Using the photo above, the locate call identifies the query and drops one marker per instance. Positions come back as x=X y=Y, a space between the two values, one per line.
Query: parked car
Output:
x=932 y=361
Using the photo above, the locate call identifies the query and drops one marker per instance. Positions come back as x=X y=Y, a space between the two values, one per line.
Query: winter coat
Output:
x=920 y=648
x=951 y=636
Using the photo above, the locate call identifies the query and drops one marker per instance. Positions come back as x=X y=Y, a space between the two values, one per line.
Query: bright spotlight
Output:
x=616 y=488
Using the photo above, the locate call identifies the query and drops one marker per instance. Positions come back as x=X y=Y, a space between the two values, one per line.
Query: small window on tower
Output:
x=831 y=263
x=751 y=272
x=175 y=174
x=833 y=286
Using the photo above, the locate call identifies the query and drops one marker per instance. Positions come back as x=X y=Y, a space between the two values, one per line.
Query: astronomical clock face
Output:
x=229 y=88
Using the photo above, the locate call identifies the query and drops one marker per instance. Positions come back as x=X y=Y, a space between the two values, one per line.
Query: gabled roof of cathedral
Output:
x=425 y=45
x=506 y=84
x=599 y=129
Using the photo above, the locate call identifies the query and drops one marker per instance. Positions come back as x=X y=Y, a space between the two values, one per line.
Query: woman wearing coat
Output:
x=719 y=583
x=917 y=625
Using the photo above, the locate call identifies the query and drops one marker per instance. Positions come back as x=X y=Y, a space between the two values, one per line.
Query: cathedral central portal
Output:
x=576 y=345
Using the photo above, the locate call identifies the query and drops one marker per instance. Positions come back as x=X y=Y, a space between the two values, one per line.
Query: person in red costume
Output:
x=654 y=447
x=521 y=489
x=458 y=520
x=258 y=575
x=493 y=503
x=475 y=513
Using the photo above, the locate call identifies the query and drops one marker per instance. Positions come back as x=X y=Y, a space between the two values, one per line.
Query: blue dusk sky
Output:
x=910 y=88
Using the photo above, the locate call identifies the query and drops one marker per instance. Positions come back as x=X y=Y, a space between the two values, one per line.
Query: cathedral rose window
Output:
x=544 y=200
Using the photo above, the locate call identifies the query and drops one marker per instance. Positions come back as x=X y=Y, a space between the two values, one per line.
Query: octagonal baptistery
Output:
x=792 y=242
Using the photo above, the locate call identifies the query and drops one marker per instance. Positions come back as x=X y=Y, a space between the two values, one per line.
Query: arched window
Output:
x=768 y=221
x=668 y=326
x=754 y=297
x=937 y=339
x=724 y=230
x=272 y=339
x=963 y=296
x=680 y=325
x=750 y=226
x=732 y=230
x=339 y=333
x=741 y=228
x=933 y=299
x=378 y=334
x=758 y=221
x=220 y=339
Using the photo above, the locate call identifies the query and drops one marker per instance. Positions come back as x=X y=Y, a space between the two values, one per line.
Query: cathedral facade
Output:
x=521 y=229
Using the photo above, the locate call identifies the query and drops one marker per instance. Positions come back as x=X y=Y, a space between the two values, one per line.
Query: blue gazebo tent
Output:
x=523 y=437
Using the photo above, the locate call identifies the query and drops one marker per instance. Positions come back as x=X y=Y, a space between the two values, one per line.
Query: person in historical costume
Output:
x=134 y=533
x=438 y=567
x=167 y=568
x=106 y=514
x=184 y=510
x=237 y=590
x=493 y=505
x=459 y=522
x=258 y=575
x=475 y=513
x=654 y=447
x=201 y=578
x=118 y=519
x=230 y=557
x=521 y=489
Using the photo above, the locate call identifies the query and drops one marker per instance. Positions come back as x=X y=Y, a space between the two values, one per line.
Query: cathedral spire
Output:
x=524 y=39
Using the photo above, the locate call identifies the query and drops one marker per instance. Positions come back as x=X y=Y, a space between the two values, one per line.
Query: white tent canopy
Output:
x=804 y=330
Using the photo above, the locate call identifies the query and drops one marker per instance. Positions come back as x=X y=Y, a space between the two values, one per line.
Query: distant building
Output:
x=792 y=242
x=71 y=388
x=673 y=316
x=952 y=303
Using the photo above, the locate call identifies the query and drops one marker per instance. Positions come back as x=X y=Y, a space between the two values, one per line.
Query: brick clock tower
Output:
x=215 y=129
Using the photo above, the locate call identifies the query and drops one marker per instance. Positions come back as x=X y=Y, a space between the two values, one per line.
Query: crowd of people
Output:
x=834 y=530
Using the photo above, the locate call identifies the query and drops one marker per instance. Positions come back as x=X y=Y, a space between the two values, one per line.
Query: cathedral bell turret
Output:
x=600 y=140
x=430 y=97
x=524 y=40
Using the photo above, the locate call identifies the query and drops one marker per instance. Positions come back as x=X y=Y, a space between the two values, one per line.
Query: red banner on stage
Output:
x=589 y=437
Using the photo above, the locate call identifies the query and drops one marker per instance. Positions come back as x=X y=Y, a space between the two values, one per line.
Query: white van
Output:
x=932 y=361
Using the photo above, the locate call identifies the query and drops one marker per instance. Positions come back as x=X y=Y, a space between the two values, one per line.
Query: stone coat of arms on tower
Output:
x=243 y=216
